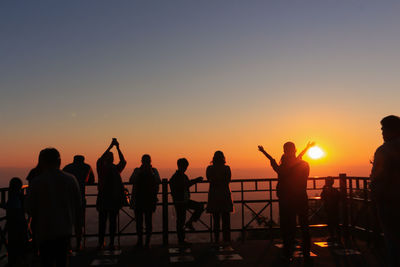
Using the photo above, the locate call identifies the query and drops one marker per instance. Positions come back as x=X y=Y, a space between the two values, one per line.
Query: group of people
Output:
x=55 y=202
x=56 y=198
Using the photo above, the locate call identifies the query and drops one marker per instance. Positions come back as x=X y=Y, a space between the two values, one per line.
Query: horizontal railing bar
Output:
x=254 y=185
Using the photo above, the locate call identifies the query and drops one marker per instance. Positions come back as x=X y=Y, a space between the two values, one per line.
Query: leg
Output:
x=113 y=226
x=216 y=218
x=287 y=223
x=197 y=208
x=149 y=226
x=226 y=226
x=139 y=226
x=303 y=220
x=102 y=227
x=390 y=221
x=47 y=251
x=79 y=238
x=180 y=221
x=13 y=254
x=61 y=253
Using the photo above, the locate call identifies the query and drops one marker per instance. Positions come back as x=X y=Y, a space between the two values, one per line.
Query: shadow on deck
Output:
x=250 y=253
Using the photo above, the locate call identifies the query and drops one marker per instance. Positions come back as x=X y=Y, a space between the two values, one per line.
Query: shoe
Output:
x=189 y=226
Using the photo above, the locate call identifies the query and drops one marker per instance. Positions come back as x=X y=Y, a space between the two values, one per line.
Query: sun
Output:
x=315 y=152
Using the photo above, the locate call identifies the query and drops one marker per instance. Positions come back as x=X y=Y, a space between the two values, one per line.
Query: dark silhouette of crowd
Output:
x=55 y=200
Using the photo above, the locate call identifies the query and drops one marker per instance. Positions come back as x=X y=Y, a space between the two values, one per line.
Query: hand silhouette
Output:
x=261 y=148
x=310 y=144
x=199 y=179
x=115 y=142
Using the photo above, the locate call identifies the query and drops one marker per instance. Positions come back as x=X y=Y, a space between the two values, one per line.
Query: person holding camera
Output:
x=111 y=195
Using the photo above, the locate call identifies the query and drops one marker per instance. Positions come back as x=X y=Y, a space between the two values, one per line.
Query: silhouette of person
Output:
x=54 y=202
x=16 y=225
x=293 y=200
x=36 y=171
x=33 y=173
x=220 y=203
x=180 y=184
x=331 y=200
x=145 y=185
x=385 y=183
x=111 y=195
x=84 y=174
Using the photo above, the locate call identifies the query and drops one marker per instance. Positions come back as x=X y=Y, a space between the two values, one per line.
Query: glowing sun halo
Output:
x=315 y=152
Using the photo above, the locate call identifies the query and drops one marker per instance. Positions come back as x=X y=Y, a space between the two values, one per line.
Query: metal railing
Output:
x=256 y=213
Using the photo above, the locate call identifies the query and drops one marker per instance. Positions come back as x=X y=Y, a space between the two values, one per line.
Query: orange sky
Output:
x=347 y=148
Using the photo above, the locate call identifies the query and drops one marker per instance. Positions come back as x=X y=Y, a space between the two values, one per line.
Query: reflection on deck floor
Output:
x=250 y=253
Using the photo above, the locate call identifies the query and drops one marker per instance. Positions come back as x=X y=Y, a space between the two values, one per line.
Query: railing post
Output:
x=270 y=210
x=242 y=196
x=367 y=208
x=343 y=194
x=3 y=198
x=165 y=211
x=350 y=203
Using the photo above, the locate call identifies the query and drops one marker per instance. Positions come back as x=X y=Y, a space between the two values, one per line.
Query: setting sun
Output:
x=315 y=152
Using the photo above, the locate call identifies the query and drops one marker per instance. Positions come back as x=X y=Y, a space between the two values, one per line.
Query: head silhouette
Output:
x=329 y=181
x=219 y=158
x=79 y=159
x=49 y=158
x=289 y=149
x=146 y=160
x=15 y=185
x=182 y=164
x=108 y=158
x=289 y=153
x=390 y=127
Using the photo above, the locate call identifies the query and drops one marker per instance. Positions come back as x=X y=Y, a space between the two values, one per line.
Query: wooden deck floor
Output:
x=249 y=253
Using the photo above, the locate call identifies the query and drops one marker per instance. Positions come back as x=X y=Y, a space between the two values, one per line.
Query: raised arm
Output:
x=274 y=165
x=108 y=149
x=195 y=181
x=122 y=162
x=262 y=150
x=308 y=146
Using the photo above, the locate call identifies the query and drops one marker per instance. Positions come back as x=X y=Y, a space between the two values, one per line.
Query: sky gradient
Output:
x=186 y=78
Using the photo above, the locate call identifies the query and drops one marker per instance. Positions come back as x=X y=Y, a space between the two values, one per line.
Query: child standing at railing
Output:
x=16 y=226
x=330 y=198
x=180 y=184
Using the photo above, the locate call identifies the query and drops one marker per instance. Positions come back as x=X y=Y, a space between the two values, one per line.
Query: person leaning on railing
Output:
x=180 y=191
